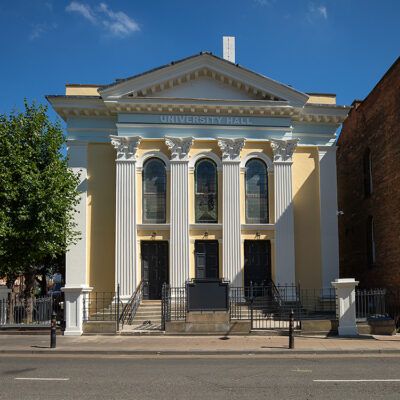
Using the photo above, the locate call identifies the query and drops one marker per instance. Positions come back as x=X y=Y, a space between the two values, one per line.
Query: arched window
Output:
x=206 y=192
x=367 y=172
x=256 y=192
x=154 y=191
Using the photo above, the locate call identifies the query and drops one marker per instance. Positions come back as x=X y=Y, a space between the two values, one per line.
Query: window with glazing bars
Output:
x=206 y=192
x=154 y=191
x=256 y=192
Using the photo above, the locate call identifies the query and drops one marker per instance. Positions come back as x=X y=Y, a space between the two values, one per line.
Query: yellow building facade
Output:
x=200 y=169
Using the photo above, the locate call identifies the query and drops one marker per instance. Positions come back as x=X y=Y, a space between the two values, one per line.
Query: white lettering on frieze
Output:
x=204 y=120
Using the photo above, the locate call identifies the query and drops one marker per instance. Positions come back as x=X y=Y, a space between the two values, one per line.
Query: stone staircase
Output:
x=146 y=320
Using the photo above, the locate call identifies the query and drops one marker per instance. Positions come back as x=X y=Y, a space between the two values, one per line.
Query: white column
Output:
x=346 y=306
x=76 y=258
x=179 y=217
x=231 y=227
x=329 y=221
x=125 y=214
x=284 y=217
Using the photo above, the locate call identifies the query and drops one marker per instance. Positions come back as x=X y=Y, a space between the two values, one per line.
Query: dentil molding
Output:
x=283 y=149
x=126 y=147
x=179 y=147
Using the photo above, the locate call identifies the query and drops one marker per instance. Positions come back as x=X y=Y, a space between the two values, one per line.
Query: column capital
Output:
x=231 y=148
x=126 y=147
x=179 y=147
x=283 y=149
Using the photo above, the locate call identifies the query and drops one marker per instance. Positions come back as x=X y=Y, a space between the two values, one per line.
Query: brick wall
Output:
x=375 y=124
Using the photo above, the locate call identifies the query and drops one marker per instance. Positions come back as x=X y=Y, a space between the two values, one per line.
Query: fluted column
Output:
x=231 y=233
x=125 y=214
x=284 y=216
x=179 y=225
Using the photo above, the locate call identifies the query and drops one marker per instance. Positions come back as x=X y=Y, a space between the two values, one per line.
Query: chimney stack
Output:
x=229 y=48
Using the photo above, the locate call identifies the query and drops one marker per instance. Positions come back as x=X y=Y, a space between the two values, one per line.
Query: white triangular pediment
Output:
x=203 y=77
x=206 y=88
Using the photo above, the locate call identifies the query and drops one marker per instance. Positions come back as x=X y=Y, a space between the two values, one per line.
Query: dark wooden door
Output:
x=257 y=262
x=154 y=268
x=207 y=259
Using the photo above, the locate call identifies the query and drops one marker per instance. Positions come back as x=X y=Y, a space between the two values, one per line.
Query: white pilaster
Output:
x=231 y=233
x=76 y=256
x=179 y=225
x=284 y=217
x=346 y=306
x=329 y=222
x=125 y=214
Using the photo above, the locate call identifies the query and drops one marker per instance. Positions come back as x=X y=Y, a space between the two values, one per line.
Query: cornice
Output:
x=203 y=65
x=93 y=107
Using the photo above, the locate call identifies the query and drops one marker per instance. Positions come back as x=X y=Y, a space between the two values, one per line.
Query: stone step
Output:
x=150 y=312
x=141 y=320
x=150 y=309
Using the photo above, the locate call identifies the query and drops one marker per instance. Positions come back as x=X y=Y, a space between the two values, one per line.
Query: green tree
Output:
x=38 y=194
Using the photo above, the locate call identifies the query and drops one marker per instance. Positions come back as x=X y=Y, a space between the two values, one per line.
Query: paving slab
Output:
x=35 y=344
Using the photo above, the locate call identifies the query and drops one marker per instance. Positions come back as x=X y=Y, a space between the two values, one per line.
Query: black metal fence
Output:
x=30 y=312
x=266 y=306
x=371 y=303
x=101 y=306
x=173 y=304
x=317 y=303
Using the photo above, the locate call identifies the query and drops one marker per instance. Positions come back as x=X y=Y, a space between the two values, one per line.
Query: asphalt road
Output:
x=252 y=377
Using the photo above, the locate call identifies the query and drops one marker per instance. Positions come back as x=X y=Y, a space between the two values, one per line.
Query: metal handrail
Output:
x=129 y=311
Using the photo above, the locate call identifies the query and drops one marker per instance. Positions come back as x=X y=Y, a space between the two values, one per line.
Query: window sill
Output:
x=259 y=227
x=207 y=227
x=159 y=227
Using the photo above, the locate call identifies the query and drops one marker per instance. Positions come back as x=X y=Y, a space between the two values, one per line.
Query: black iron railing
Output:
x=32 y=311
x=102 y=306
x=131 y=307
x=317 y=303
x=173 y=304
x=266 y=306
x=371 y=303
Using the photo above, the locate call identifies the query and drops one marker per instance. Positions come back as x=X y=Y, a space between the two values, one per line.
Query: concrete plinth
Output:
x=346 y=306
x=207 y=322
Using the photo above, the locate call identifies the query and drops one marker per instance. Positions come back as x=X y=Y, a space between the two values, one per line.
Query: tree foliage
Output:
x=38 y=192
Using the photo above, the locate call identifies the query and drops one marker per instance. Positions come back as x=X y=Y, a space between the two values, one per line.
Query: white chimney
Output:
x=229 y=48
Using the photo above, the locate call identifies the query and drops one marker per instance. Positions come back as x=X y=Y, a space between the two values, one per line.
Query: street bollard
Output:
x=291 y=330
x=53 y=330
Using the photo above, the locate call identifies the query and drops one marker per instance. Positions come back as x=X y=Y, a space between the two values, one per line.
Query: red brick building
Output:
x=368 y=162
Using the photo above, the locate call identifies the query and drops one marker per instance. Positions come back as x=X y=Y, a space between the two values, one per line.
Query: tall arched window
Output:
x=256 y=192
x=206 y=192
x=154 y=191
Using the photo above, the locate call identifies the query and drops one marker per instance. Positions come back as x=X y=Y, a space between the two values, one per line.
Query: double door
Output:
x=257 y=262
x=207 y=259
x=154 y=268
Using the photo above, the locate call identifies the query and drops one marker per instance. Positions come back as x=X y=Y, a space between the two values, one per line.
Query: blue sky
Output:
x=333 y=46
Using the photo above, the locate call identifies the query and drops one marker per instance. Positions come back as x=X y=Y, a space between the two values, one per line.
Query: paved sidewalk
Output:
x=28 y=344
